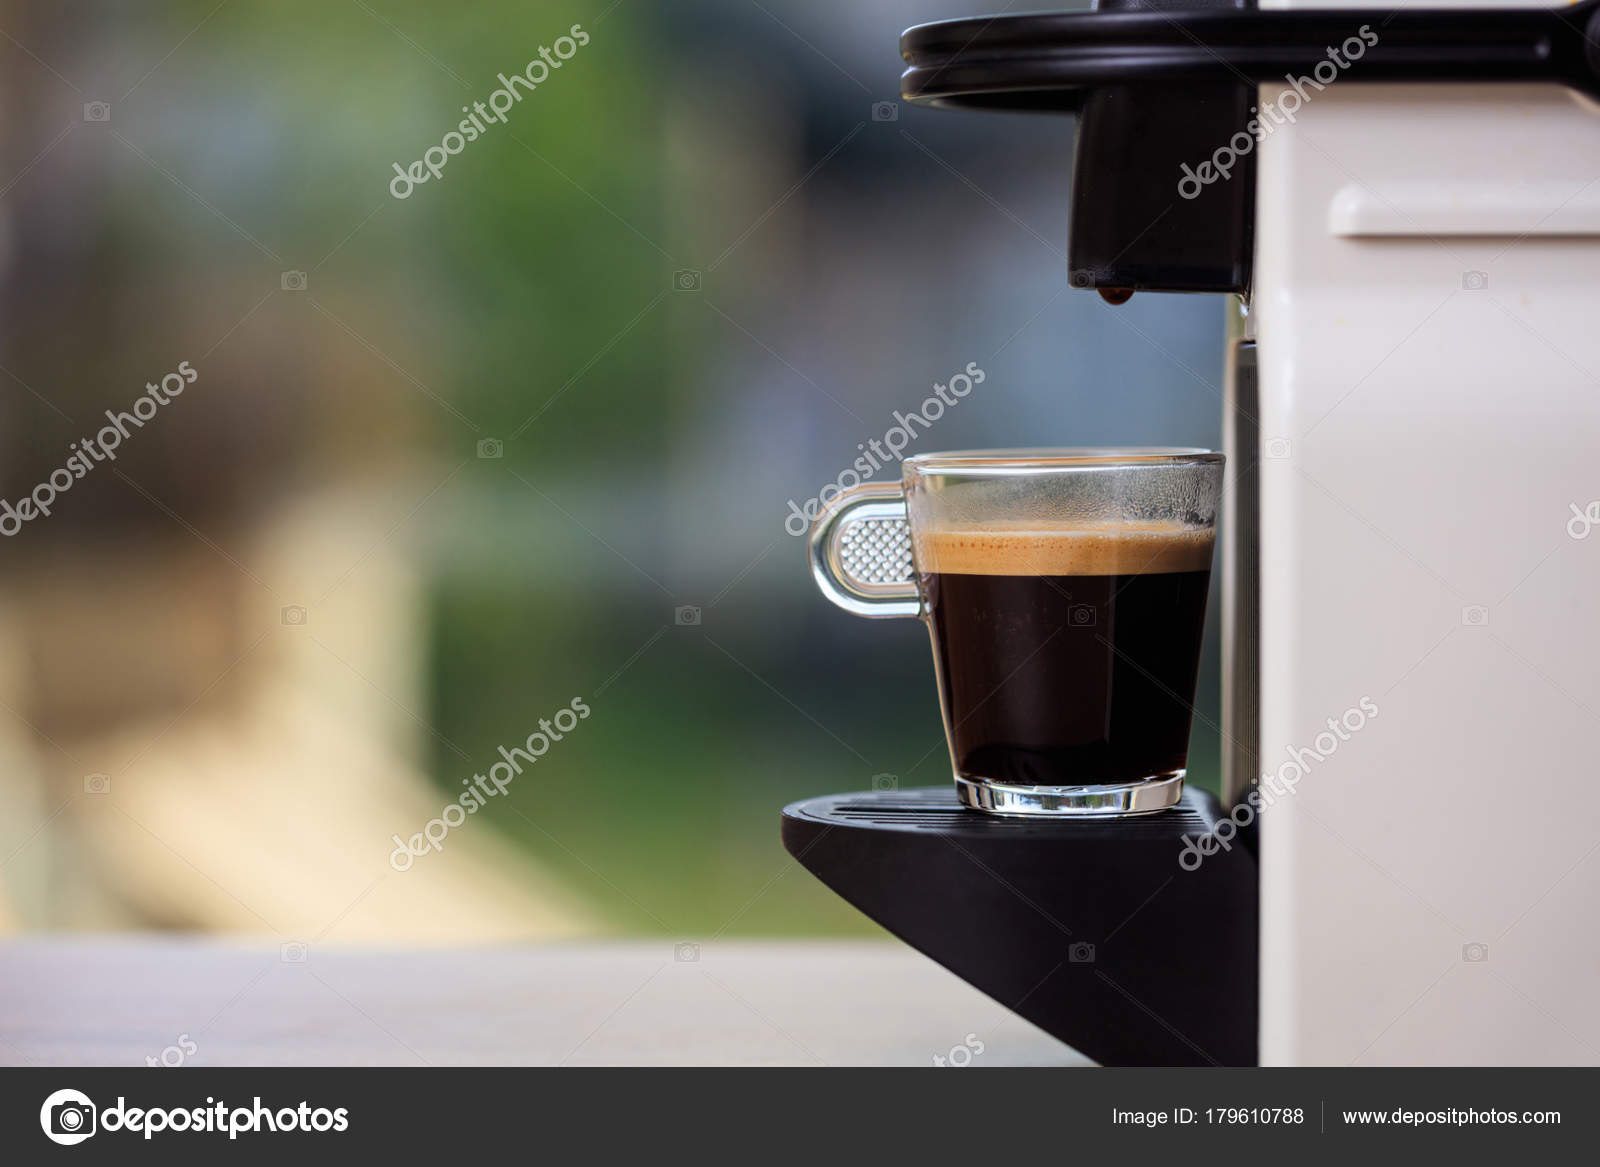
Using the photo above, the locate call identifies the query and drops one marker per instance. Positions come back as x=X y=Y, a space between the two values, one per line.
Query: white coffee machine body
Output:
x=1413 y=615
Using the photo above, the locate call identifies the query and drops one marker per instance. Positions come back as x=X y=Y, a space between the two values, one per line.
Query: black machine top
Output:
x=1167 y=89
x=1048 y=60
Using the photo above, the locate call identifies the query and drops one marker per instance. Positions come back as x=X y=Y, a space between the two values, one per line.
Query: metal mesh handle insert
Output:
x=876 y=551
x=860 y=552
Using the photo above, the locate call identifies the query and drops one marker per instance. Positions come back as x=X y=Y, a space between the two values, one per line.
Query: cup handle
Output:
x=860 y=550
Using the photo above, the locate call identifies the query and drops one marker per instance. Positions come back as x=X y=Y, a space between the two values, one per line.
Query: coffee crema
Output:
x=1036 y=548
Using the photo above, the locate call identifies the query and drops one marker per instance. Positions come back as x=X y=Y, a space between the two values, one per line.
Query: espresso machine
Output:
x=1404 y=207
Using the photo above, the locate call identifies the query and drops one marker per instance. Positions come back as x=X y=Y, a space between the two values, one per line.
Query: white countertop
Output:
x=96 y=1000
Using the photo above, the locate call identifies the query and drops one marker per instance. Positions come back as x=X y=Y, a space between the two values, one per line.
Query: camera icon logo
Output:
x=1080 y=277
x=1474 y=281
x=886 y=111
x=491 y=448
x=294 y=952
x=97 y=783
x=686 y=280
x=1475 y=953
x=687 y=616
x=1277 y=449
x=293 y=616
x=97 y=111
x=1081 y=953
x=686 y=953
x=67 y=1117
x=1082 y=616
x=293 y=281
x=886 y=782
x=1475 y=616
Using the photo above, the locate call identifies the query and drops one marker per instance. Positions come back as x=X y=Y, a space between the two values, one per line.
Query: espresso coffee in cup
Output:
x=1065 y=595
x=1066 y=656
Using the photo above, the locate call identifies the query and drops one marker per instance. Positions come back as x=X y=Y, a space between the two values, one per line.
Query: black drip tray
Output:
x=1090 y=928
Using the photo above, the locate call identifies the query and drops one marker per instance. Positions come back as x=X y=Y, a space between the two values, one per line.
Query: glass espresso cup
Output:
x=1065 y=594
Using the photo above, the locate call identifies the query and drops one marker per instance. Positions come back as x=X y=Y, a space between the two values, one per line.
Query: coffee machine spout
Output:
x=1167 y=96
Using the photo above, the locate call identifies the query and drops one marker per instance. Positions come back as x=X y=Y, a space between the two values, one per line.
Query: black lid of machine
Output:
x=1161 y=87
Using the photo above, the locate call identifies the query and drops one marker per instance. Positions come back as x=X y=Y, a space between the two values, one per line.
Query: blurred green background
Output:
x=505 y=431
